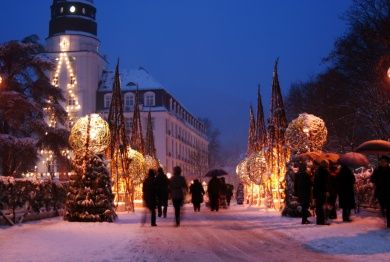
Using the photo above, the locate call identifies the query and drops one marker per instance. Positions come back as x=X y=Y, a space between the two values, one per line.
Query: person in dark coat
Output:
x=346 y=181
x=222 y=193
x=303 y=186
x=178 y=189
x=378 y=178
x=240 y=194
x=320 y=192
x=213 y=192
x=197 y=192
x=385 y=193
x=332 y=190
x=149 y=195
x=162 y=185
x=229 y=193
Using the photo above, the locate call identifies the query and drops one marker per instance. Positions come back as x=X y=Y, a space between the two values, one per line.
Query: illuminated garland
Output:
x=73 y=105
x=306 y=133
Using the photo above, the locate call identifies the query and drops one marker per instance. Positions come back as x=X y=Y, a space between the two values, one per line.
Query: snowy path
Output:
x=237 y=234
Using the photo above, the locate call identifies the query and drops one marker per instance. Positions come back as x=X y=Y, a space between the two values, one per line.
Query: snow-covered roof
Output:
x=130 y=79
x=89 y=2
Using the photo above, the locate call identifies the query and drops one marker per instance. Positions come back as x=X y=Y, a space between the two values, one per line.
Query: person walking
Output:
x=332 y=190
x=378 y=178
x=213 y=192
x=346 y=181
x=320 y=192
x=162 y=185
x=149 y=196
x=304 y=187
x=197 y=192
x=240 y=194
x=178 y=188
x=229 y=193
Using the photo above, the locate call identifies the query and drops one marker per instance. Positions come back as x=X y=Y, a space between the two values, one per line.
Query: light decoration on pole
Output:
x=306 y=133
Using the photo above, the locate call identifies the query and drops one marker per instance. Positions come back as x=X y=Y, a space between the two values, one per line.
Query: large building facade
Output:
x=81 y=72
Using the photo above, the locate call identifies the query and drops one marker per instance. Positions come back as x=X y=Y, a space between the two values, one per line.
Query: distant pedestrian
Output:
x=149 y=196
x=320 y=192
x=162 y=185
x=346 y=181
x=213 y=192
x=303 y=185
x=178 y=188
x=229 y=193
x=197 y=192
x=240 y=194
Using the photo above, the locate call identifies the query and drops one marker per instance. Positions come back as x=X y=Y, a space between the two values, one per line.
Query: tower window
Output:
x=72 y=9
x=71 y=101
x=61 y=9
x=83 y=10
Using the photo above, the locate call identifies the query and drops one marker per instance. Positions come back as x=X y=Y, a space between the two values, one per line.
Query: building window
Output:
x=128 y=102
x=149 y=99
x=107 y=100
x=128 y=123
x=71 y=101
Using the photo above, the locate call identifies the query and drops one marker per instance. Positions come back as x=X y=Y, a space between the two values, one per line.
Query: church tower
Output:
x=74 y=44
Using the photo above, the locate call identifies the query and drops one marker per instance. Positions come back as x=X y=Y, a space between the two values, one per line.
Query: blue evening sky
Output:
x=210 y=54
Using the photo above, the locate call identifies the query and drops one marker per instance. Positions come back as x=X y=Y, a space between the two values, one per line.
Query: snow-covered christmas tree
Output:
x=90 y=197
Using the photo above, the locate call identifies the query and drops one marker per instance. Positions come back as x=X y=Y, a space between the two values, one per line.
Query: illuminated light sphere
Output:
x=257 y=167
x=99 y=135
x=242 y=171
x=306 y=133
x=137 y=166
x=151 y=163
x=72 y=9
x=388 y=73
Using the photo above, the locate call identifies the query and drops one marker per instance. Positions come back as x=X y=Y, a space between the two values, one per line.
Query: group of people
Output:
x=327 y=181
x=156 y=189
x=219 y=193
x=324 y=182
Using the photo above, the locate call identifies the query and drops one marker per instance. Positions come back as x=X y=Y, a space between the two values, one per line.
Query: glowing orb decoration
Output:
x=151 y=163
x=91 y=128
x=306 y=133
x=257 y=167
x=242 y=171
x=137 y=166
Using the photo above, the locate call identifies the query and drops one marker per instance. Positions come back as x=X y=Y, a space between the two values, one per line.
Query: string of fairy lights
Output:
x=72 y=106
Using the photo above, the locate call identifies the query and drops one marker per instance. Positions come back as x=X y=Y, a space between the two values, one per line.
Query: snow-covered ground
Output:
x=237 y=234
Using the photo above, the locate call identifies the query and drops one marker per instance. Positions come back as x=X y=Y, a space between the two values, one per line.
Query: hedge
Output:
x=29 y=196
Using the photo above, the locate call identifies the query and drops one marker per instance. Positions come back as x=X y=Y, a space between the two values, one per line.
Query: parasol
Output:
x=374 y=147
x=354 y=160
x=216 y=172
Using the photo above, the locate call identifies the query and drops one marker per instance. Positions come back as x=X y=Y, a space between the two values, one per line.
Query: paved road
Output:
x=237 y=234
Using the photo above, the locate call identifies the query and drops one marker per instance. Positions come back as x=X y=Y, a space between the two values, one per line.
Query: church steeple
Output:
x=73 y=17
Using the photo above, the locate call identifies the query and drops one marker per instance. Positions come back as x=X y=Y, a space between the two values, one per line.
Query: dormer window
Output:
x=128 y=101
x=149 y=99
x=107 y=100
